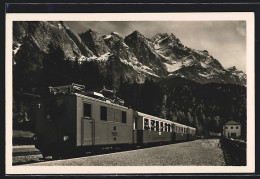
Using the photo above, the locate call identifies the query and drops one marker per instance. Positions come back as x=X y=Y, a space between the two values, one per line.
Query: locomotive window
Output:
x=103 y=113
x=161 y=126
x=157 y=125
x=87 y=110
x=152 y=125
x=123 y=117
x=146 y=124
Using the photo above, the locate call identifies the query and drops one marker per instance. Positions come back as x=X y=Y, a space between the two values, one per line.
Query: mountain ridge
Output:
x=157 y=57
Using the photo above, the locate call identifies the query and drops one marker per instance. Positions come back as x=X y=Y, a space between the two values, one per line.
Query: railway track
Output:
x=34 y=156
x=26 y=153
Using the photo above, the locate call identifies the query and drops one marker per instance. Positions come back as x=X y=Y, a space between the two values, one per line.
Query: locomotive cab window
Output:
x=103 y=113
x=87 y=110
x=123 y=117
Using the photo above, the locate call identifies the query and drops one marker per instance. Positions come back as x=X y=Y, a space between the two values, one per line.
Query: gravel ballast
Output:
x=206 y=152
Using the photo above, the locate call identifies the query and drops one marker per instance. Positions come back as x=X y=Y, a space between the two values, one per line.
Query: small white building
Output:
x=232 y=129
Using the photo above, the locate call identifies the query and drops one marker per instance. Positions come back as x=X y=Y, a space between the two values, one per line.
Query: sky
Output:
x=224 y=40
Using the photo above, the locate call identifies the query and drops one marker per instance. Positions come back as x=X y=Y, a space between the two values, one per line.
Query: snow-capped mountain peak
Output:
x=135 y=57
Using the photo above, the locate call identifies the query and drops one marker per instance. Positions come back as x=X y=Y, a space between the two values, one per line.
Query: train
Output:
x=72 y=120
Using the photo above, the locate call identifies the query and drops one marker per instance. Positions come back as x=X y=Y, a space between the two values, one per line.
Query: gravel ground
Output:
x=20 y=160
x=197 y=153
x=24 y=154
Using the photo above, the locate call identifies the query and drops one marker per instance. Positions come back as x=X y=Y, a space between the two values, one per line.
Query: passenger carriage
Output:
x=180 y=132
x=191 y=133
x=151 y=129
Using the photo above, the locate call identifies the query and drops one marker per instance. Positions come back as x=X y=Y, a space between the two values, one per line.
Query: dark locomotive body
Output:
x=72 y=122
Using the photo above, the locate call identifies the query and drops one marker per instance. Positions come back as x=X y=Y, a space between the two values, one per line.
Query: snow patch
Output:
x=107 y=36
x=60 y=26
x=126 y=46
x=17 y=48
x=208 y=61
x=137 y=66
x=187 y=62
x=104 y=57
x=208 y=76
x=173 y=67
x=116 y=33
x=219 y=71
x=157 y=46
x=204 y=65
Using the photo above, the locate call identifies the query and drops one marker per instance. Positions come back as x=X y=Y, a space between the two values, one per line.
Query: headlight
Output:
x=65 y=138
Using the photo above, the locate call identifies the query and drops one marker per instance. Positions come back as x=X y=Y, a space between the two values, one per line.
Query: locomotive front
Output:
x=55 y=124
x=49 y=114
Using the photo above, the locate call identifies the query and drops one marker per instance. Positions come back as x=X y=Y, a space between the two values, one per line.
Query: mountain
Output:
x=95 y=42
x=135 y=57
x=192 y=64
x=145 y=52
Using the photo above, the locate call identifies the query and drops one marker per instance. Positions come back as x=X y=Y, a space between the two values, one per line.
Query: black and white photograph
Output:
x=130 y=93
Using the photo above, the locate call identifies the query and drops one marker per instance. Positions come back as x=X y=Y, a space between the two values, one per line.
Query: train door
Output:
x=87 y=126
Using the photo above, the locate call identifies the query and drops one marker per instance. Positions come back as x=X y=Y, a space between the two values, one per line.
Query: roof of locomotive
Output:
x=101 y=101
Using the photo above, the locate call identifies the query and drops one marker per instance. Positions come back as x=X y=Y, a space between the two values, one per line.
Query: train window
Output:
x=103 y=113
x=152 y=125
x=161 y=126
x=157 y=125
x=166 y=127
x=146 y=124
x=87 y=110
x=123 y=117
x=169 y=127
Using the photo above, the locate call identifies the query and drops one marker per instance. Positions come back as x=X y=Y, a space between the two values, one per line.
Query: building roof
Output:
x=232 y=123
